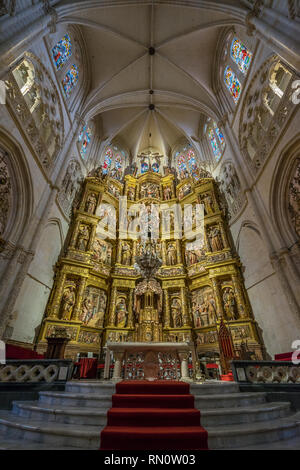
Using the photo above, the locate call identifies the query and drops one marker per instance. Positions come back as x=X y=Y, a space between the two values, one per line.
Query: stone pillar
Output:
x=167 y=308
x=184 y=356
x=111 y=318
x=118 y=356
x=81 y=289
x=219 y=302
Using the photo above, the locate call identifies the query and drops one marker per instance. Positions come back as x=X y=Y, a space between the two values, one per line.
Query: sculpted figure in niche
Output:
x=131 y=194
x=126 y=254
x=176 y=313
x=121 y=313
x=68 y=302
x=172 y=254
x=208 y=202
x=229 y=303
x=91 y=203
x=83 y=237
x=167 y=193
x=215 y=239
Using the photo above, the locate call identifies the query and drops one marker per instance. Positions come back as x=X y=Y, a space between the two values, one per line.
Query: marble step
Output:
x=75 y=399
x=49 y=433
x=52 y=413
x=240 y=415
x=229 y=400
x=214 y=388
x=90 y=386
x=250 y=434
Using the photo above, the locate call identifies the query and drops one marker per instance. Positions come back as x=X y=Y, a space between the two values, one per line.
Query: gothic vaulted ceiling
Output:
x=151 y=67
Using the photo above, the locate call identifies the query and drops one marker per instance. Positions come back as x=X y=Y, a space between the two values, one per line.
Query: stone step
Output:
x=239 y=415
x=90 y=386
x=12 y=444
x=214 y=387
x=234 y=436
x=52 y=413
x=287 y=444
x=49 y=433
x=229 y=400
x=75 y=399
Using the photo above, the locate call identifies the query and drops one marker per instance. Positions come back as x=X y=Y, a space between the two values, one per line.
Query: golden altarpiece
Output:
x=98 y=293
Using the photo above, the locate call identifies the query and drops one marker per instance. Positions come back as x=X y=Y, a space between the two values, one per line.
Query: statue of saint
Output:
x=229 y=304
x=83 y=237
x=167 y=193
x=87 y=310
x=215 y=239
x=172 y=254
x=126 y=255
x=68 y=302
x=176 y=313
x=121 y=313
x=91 y=203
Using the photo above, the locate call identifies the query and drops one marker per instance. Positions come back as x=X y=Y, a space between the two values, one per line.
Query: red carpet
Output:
x=157 y=415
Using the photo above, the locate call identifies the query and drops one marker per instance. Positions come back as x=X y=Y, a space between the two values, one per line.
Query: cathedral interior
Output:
x=150 y=175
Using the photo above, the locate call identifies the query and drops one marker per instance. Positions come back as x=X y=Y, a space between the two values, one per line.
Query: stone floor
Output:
x=74 y=419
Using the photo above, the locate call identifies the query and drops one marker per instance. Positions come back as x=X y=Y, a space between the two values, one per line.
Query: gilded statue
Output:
x=68 y=302
x=176 y=313
x=229 y=302
x=83 y=237
x=126 y=254
x=215 y=239
x=172 y=254
x=121 y=313
x=91 y=203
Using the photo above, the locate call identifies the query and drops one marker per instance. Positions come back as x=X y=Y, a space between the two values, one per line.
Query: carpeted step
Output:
x=152 y=401
x=159 y=387
x=153 y=417
x=153 y=438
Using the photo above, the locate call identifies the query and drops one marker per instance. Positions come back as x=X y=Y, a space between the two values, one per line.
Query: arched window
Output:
x=85 y=138
x=240 y=55
x=216 y=139
x=113 y=162
x=232 y=83
x=186 y=162
x=62 y=51
x=70 y=80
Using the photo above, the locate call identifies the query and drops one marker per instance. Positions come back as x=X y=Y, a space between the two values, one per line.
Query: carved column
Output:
x=179 y=257
x=92 y=237
x=224 y=235
x=118 y=356
x=74 y=235
x=219 y=302
x=167 y=308
x=164 y=252
x=111 y=318
x=239 y=297
x=130 y=309
x=185 y=317
x=77 y=309
x=54 y=309
x=119 y=252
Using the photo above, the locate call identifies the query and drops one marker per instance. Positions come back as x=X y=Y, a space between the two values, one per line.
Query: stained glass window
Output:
x=144 y=167
x=232 y=83
x=155 y=167
x=186 y=163
x=85 y=138
x=214 y=144
x=70 y=80
x=62 y=51
x=113 y=162
x=219 y=134
x=240 y=55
